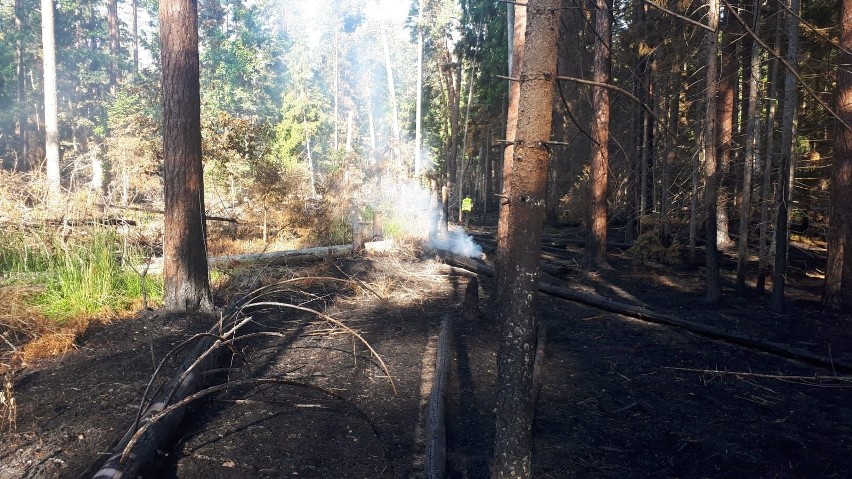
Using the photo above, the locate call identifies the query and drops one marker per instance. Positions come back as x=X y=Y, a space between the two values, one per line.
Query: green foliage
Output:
x=20 y=256
x=90 y=277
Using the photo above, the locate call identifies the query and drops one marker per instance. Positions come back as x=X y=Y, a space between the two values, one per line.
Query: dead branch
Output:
x=814 y=380
x=176 y=407
x=338 y=323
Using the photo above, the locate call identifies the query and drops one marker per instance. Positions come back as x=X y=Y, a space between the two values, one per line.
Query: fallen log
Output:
x=645 y=314
x=288 y=257
x=188 y=379
x=436 y=428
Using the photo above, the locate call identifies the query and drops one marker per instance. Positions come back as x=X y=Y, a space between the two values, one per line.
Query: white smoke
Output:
x=456 y=241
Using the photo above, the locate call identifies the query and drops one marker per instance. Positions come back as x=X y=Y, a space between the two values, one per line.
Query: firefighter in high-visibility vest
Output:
x=467 y=209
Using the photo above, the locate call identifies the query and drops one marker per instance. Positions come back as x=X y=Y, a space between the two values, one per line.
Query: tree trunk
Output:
x=516 y=56
x=464 y=158
x=837 y=293
x=418 y=111
x=51 y=115
x=186 y=286
x=766 y=196
x=725 y=127
x=114 y=44
x=600 y=136
x=336 y=73
x=391 y=87
x=135 y=8
x=521 y=242
x=646 y=186
x=788 y=162
x=711 y=163
x=21 y=163
x=453 y=75
x=752 y=131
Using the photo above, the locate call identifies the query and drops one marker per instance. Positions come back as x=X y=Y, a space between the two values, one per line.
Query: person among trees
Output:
x=467 y=209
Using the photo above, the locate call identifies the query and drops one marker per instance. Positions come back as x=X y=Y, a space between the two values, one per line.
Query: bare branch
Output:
x=677 y=15
x=787 y=65
x=813 y=28
x=624 y=92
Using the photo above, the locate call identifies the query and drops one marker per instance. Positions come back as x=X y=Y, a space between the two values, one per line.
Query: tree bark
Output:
x=788 y=161
x=521 y=242
x=516 y=55
x=600 y=136
x=135 y=8
x=766 y=196
x=711 y=173
x=187 y=287
x=725 y=127
x=752 y=132
x=837 y=293
x=418 y=109
x=51 y=114
x=21 y=163
x=391 y=86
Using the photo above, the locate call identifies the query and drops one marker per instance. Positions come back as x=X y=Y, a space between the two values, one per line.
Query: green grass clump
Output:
x=83 y=279
x=21 y=257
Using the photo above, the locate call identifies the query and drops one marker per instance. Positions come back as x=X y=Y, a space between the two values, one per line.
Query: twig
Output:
x=787 y=65
x=363 y=284
x=778 y=377
x=630 y=406
x=338 y=323
x=677 y=15
x=221 y=387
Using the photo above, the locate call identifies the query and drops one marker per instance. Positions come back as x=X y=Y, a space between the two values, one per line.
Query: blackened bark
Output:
x=837 y=293
x=185 y=270
x=600 y=136
x=521 y=242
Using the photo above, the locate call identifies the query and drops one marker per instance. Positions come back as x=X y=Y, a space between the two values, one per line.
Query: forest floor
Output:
x=620 y=397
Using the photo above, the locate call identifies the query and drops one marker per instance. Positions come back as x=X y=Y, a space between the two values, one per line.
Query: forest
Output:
x=425 y=238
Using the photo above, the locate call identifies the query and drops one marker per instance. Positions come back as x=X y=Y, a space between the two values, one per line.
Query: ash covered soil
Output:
x=620 y=397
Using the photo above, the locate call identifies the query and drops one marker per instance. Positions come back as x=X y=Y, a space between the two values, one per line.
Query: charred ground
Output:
x=620 y=397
